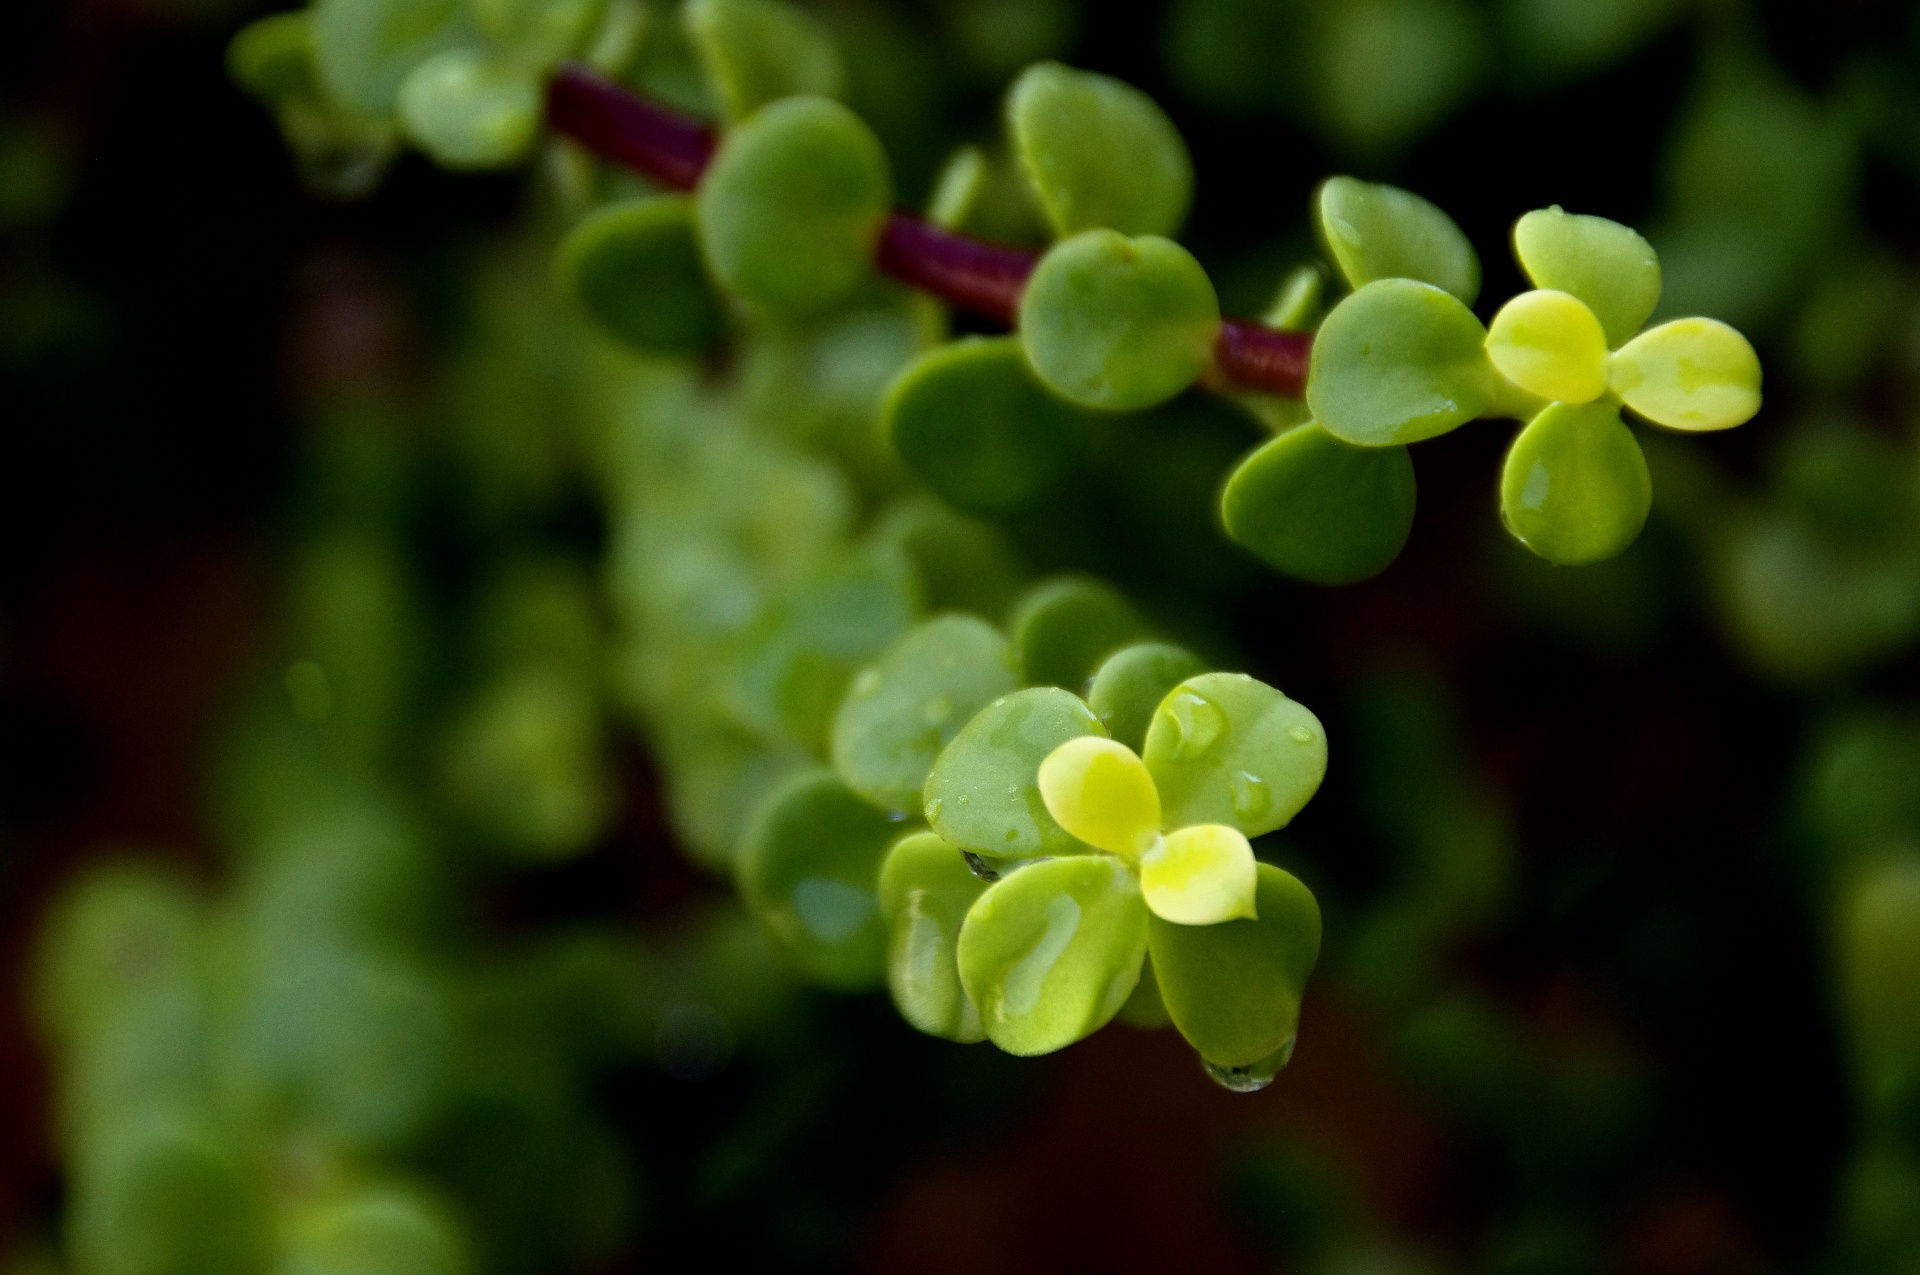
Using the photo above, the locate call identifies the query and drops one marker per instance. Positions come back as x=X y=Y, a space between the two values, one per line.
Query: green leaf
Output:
x=1051 y=953
x=973 y=422
x=1130 y=684
x=272 y=58
x=1224 y=748
x=963 y=564
x=1066 y=625
x=1384 y=72
x=983 y=793
x=1118 y=324
x=1575 y=487
x=1607 y=265
x=119 y=929
x=717 y=777
x=792 y=206
x=1689 y=374
x=1383 y=232
x=957 y=190
x=376 y=1229
x=635 y=268
x=364 y=49
x=1297 y=305
x=1233 y=989
x=901 y=712
x=1396 y=362
x=168 y=1197
x=469 y=109
x=810 y=871
x=539 y=32
x=758 y=51
x=926 y=889
x=796 y=662
x=1550 y=345
x=1144 y=1009
x=1880 y=958
x=1099 y=153
x=1320 y=509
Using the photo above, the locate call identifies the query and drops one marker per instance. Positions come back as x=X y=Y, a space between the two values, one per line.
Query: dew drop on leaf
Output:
x=1253 y=1077
x=1251 y=800
x=1201 y=725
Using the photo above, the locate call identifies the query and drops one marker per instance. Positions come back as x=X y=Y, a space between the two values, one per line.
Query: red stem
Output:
x=981 y=278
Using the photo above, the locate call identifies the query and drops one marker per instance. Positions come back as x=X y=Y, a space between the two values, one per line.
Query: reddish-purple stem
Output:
x=981 y=278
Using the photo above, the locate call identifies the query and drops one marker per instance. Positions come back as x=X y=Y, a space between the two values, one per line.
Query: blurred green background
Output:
x=330 y=791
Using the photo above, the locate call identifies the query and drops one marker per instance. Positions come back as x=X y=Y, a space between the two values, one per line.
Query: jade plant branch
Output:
x=981 y=278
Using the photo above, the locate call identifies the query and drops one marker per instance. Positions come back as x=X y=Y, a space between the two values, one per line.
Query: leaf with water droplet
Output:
x=983 y=792
x=1219 y=739
x=925 y=688
x=1233 y=989
x=1397 y=362
x=809 y=870
x=1320 y=509
x=635 y=268
x=1254 y=1076
x=1575 y=486
x=1607 y=265
x=1051 y=953
x=758 y=51
x=1382 y=232
x=1066 y=625
x=926 y=888
x=1131 y=682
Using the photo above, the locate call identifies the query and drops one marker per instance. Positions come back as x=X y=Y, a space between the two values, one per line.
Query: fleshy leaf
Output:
x=1383 y=232
x=1118 y=324
x=1548 y=343
x=1233 y=989
x=1605 y=264
x=539 y=31
x=957 y=190
x=758 y=51
x=1319 y=509
x=1051 y=953
x=635 y=268
x=902 y=711
x=963 y=564
x=1099 y=153
x=1575 y=487
x=1200 y=875
x=363 y=49
x=1100 y=791
x=972 y=420
x=1296 y=306
x=385 y=1224
x=1130 y=684
x=1396 y=362
x=1065 y=626
x=926 y=889
x=272 y=57
x=469 y=109
x=810 y=869
x=1224 y=748
x=1144 y=1009
x=792 y=206
x=1690 y=374
x=983 y=793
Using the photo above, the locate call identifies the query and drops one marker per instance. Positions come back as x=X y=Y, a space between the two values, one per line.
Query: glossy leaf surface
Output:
x=900 y=712
x=1233 y=989
x=1548 y=343
x=635 y=268
x=1199 y=875
x=469 y=109
x=810 y=870
x=1051 y=953
x=1118 y=324
x=1099 y=790
x=1224 y=748
x=1608 y=266
x=1383 y=232
x=1396 y=362
x=1690 y=374
x=1064 y=627
x=926 y=889
x=758 y=51
x=1131 y=682
x=1320 y=509
x=1575 y=486
x=983 y=794
x=1099 y=152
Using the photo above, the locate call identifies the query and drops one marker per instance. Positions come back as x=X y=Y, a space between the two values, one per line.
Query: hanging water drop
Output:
x=1251 y=800
x=979 y=866
x=1253 y=1077
x=1198 y=723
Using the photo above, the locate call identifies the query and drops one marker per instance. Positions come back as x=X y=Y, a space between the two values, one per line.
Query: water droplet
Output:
x=1302 y=734
x=933 y=809
x=979 y=867
x=1251 y=800
x=1199 y=725
x=1002 y=700
x=866 y=684
x=936 y=710
x=1253 y=1077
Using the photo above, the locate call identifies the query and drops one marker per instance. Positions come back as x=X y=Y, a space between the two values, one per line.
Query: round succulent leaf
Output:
x=1689 y=374
x=1398 y=361
x=469 y=109
x=1098 y=152
x=975 y=424
x=1575 y=486
x=758 y=51
x=1066 y=625
x=364 y=49
x=963 y=564
x=541 y=32
x=635 y=268
x=1548 y=343
x=1050 y=953
x=1608 y=266
x=1130 y=683
x=900 y=712
x=1233 y=989
x=810 y=869
x=983 y=793
x=272 y=57
x=1319 y=509
x=1144 y=1009
x=1099 y=790
x=926 y=889
x=168 y=1195
x=1225 y=748
x=1199 y=875
x=791 y=208
x=1382 y=232
x=1118 y=324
